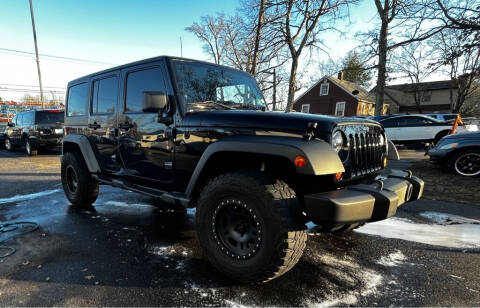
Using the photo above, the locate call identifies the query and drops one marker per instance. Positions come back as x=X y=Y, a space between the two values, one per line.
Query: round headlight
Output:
x=381 y=140
x=337 y=141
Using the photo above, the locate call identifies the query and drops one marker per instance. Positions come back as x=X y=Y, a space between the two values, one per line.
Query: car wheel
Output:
x=250 y=226
x=467 y=163
x=80 y=188
x=29 y=149
x=8 y=144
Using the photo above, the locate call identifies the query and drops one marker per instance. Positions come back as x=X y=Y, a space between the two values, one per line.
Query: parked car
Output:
x=460 y=152
x=197 y=134
x=447 y=117
x=419 y=128
x=35 y=129
x=2 y=134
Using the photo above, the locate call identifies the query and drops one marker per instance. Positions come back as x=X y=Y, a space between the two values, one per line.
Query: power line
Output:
x=28 y=90
x=24 y=85
x=55 y=57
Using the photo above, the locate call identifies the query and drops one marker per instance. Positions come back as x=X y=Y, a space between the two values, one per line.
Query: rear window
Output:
x=49 y=117
x=77 y=98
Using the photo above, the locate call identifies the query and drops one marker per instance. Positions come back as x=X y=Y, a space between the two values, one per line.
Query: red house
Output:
x=335 y=96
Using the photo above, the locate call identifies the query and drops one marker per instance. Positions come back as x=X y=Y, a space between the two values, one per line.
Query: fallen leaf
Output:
x=47 y=279
x=89 y=277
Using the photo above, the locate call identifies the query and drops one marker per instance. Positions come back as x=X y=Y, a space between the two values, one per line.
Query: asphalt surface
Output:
x=126 y=252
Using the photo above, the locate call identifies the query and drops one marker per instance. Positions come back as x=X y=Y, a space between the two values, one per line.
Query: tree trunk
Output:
x=261 y=13
x=382 y=69
x=292 y=84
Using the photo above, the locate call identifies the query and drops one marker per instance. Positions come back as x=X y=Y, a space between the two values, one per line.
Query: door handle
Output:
x=125 y=125
x=95 y=125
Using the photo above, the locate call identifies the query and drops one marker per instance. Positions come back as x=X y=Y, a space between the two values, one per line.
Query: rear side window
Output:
x=77 y=98
x=104 y=95
x=28 y=118
x=49 y=117
x=389 y=123
x=142 y=81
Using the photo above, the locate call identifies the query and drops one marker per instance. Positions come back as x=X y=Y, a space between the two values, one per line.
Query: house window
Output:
x=324 y=89
x=364 y=109
x=340 y=109
x=305 y=108
x=426 y=96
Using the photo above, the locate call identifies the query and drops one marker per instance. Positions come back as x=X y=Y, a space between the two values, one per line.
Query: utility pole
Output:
x=36 y=55
x=181 y=47
x=274 y=95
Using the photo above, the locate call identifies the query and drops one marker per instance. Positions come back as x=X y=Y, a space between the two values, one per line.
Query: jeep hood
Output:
x=268 y=120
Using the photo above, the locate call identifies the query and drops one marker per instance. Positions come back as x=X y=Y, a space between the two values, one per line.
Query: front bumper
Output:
x=438 y=155
x=364 y=202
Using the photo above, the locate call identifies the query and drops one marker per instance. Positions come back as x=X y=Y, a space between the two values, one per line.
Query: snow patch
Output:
x=124 y=204
x=363 y=281
x=394 y=259
x=19 y=198
x=454 y=236
x=448 y=219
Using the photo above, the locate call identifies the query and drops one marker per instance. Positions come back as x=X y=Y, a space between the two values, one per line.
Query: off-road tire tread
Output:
x=89 y=188
x=290 y=244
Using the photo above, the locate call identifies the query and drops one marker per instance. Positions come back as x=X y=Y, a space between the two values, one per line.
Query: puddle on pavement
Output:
x=447 y=230
x=19 y=198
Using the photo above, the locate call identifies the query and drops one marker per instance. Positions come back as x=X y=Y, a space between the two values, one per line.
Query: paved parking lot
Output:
x=126 y=251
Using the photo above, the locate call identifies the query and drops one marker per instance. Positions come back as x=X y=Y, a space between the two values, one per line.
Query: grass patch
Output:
x=444 y=185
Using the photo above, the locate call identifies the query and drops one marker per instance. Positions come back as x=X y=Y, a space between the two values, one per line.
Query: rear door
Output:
x=391 y=127
x=145 y=144
x=415 y=128
x=102 y=119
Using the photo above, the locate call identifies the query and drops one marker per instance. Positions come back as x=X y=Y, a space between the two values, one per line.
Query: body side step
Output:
x=173 y=197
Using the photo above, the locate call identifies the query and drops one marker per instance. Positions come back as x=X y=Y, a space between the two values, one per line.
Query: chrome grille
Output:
x=364 y=154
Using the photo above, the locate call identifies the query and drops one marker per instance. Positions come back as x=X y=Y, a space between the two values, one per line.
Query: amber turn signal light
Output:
x=338 y=176
x=300 y=161
x=384 y=162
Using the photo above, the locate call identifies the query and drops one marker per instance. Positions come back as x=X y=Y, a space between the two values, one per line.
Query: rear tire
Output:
x=80 y=189
x=250 y=226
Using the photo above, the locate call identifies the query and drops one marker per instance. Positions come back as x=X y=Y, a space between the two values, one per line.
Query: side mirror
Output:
x=153 y=101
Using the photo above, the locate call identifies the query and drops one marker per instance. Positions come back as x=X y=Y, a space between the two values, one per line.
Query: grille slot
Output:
x=364 y=154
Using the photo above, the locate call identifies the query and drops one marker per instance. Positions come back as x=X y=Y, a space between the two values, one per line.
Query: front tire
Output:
x=80 y=189
x=8 y=144
x=29 y=148
x=250 y=226
x=467 y=163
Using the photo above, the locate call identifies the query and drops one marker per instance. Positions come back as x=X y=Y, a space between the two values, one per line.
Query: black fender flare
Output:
x=86 y=149
x=321 y=158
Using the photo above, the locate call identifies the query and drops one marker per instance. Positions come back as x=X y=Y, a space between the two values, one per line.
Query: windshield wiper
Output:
x=210 y=104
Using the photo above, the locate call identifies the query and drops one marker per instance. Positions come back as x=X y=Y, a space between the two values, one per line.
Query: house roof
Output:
x=424 y=86
x=347 y=86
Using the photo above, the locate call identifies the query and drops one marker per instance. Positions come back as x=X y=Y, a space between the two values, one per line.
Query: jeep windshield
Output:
x=204 y=86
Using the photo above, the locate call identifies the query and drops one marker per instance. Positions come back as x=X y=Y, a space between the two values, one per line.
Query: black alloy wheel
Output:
x=467 y=164
x=236 y=229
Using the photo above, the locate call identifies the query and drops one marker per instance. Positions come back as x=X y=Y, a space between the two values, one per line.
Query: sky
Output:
x=116 y=32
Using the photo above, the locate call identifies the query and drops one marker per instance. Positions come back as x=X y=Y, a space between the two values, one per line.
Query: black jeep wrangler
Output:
x=197 y=134
x=35 y=129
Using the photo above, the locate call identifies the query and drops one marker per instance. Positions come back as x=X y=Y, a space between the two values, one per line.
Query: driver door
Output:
x=145 y=144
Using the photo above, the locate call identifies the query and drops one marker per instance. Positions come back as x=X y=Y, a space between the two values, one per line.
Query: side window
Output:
x=28 y=118
x=20 y=119
x=388 y=123
x=410 y=122
x=77 y=97
x=104 y=96
x=142 y=81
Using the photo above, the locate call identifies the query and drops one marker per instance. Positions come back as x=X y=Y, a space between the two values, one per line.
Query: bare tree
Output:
x=415 y=62
x=211 y=31
x=402 y=22
x=463 y=65
x=301 y=22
